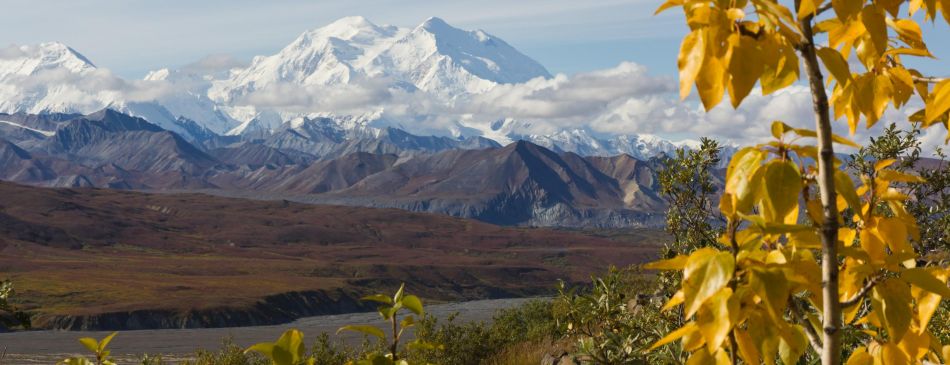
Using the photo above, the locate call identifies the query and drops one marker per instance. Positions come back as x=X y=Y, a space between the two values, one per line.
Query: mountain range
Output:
x=359 y=77
x=304 y=125
x=518 y=184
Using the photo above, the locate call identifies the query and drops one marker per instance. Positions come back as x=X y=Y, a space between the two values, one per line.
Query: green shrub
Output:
x=617 y=319
x=472 y=343
x=10 y=315
x=228 y=354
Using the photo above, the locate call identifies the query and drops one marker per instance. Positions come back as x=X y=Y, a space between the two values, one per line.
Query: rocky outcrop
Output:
x=275 y=309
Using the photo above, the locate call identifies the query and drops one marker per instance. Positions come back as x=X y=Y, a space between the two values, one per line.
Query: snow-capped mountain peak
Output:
x=29 y=60
x=376 y=72
x=434 y=57
x=482 y=54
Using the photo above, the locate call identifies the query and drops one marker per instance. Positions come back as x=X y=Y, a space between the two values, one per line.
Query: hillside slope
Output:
x=106 y=259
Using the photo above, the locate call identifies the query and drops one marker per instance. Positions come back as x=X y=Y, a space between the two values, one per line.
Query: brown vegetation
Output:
x=91 y=251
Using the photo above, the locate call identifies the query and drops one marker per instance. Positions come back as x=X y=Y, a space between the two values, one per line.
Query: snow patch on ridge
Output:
x=40 y=131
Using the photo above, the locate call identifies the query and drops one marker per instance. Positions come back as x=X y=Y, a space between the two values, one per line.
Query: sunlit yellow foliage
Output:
x=759 y=296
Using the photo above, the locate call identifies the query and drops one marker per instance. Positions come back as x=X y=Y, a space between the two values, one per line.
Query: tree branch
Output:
x=931 y=80
x=863 y=292
x=822 y=9
x=813 y=337
x=831 y=308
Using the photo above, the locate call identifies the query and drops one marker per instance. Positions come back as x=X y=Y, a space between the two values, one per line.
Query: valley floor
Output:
x=46 y=347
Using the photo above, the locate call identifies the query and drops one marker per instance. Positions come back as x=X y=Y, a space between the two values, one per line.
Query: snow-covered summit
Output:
x=30 y=60
x=431 y=79
x=433 y=57
x=482 y=54
x=55 y=78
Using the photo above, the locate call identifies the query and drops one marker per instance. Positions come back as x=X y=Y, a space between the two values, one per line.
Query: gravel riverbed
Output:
x=48 y=347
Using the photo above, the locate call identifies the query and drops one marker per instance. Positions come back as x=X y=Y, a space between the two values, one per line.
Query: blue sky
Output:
x=131 y=37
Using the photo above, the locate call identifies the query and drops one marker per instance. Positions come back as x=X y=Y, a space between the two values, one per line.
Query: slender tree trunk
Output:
x=831 y=313
x=395 y=345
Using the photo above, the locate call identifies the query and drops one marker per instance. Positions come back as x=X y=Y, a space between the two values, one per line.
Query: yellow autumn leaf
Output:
x=675 y=335
x=923 y=279
x=914 y=344
x=806 y=8
x=846 y=9
x=784 y=128
x=845 y=188
x=701 y=357
x=710 y=82
x=764 y=335
x=927 y=301
x=792 y=345
x=893 y=175
x=707 y=271
x=873 y=19
x=740 y=175
x=881 y=95
x=940 y=102
x=747 y=348
x=772 y=286
x=804 y=240
x=891 y=6
x=745 y=68
x=692 y=52
x=892 y=305
x=735 y=14
x=891 y=354
x=692 y=341
x=917 y=52
x=716 y=317
x=780 y=192
x=872 y=245
x=909 y=32
x=668 y=4
x=903 y=84
x=860 y=356
x=836 y=64
x=674 y=301
x=846 y=236
x=780 y=65
x=883 y=164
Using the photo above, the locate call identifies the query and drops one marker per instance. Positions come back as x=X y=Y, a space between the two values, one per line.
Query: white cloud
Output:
x=625 y=99
x=11 y=52
x=214 y=64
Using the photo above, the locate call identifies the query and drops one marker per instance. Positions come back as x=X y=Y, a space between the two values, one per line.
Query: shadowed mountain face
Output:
x=518 y=184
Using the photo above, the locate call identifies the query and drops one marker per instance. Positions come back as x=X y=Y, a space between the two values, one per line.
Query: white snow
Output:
x=342 y=63
x=433 y=57
x=40 y=131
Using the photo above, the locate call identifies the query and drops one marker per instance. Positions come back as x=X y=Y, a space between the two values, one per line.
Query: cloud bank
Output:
x=625 y=99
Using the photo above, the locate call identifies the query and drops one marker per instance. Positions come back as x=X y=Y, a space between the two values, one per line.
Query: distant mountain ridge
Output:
x=518 y=184
x=351 y=58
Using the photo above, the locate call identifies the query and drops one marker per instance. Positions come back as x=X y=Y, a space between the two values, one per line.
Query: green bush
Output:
x=616 y=319
x=227 y=354
x=470 y=343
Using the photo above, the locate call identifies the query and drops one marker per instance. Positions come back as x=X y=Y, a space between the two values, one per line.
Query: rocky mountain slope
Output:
x=518 y=184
